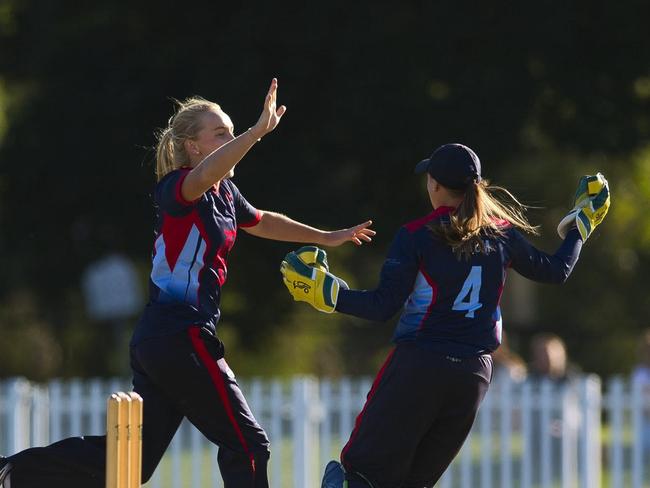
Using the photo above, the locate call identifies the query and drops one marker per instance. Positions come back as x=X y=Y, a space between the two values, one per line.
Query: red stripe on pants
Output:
x=373 y=389
x=217 y=380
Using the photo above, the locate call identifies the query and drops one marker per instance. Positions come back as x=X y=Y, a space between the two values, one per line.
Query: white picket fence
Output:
x=541 y=435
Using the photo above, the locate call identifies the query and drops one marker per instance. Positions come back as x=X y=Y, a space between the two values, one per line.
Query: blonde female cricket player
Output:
x=177 y=359
x=447 y=271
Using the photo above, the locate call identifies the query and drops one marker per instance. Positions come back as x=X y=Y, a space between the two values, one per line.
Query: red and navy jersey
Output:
x=452 y=304
x=192 y=242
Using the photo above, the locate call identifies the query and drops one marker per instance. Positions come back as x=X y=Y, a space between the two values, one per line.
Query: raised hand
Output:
x=271 y=114
x=357 y=234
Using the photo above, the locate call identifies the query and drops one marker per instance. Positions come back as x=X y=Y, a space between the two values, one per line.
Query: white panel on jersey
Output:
x=418 y=302
x=181 y=283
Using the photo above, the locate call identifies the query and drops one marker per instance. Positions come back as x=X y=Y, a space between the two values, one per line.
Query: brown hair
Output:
x=184 y=124
x=480 y=216
x=548 y=355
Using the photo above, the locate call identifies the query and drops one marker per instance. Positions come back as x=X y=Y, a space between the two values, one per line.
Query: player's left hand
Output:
x=591 y=205
x=358 y=235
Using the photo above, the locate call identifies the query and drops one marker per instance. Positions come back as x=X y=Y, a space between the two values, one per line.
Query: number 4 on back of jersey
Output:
x=468 y=298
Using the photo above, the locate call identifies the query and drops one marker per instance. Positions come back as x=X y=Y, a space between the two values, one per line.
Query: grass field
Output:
x=208 y=472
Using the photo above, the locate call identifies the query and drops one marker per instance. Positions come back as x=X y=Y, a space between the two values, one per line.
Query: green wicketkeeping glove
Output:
x=306 y=275
x=591 y=204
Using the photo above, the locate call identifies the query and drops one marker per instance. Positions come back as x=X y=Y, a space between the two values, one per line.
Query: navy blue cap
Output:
x=454 y=166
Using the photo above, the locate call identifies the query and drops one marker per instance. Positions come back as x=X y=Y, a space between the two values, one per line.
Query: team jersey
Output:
x=192 y=242
x=452 y=304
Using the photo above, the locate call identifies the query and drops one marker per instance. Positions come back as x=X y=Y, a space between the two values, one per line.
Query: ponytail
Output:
x=164 y=153
x=481 y=215
x=184 y=124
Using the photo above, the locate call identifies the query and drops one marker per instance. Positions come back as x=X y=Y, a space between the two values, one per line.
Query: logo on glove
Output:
x=302 y=285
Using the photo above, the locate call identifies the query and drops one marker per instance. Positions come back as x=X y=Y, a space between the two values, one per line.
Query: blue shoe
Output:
x=334 y=476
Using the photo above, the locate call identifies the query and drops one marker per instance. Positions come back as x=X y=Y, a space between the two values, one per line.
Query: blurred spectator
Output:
x=508 y=363
x=111 y=289
x=113 y=297
x=549 y=361
x=548 y=358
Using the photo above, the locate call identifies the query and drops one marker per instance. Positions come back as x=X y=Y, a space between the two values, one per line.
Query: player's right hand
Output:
x=271 y=114
x=591 y=204
x=306 y=275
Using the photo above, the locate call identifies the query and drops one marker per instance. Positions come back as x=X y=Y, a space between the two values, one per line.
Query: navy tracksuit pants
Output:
x=179 y=375
x=419 y=412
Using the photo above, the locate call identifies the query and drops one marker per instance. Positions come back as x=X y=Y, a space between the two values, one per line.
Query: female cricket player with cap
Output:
x=447 y=270
x=177 y=359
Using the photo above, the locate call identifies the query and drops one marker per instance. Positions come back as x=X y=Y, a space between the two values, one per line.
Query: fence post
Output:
x=526 y=431
x=591 y=406
x=19 y=406
x=615 y=403
x=637 y=426
x=97 y=403
x=506 y=407
x=547 y=402
x=325 y=434
x=40 y=417
x=345 y=408
x=570 y=426
x=55 y=391
x=75 y=406
x=176 y=454
x=485 y=425
x=276 y=434
x=304 y=397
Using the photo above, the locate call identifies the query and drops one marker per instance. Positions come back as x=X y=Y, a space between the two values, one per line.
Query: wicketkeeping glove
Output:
x=306 y=275
x=591 y=204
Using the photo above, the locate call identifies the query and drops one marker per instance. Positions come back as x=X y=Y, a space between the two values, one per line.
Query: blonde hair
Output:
x=184 y=124
x=480 y=216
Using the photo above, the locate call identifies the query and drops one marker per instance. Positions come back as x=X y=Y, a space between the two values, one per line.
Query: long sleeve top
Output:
x=452 y=305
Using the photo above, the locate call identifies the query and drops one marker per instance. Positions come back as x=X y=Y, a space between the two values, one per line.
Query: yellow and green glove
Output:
x=590 y=206
x=306 y=275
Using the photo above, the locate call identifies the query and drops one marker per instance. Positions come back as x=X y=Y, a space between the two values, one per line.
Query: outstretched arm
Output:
x=537 y=265
x=279 y=227
x=397 y=277
x=307 y=277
